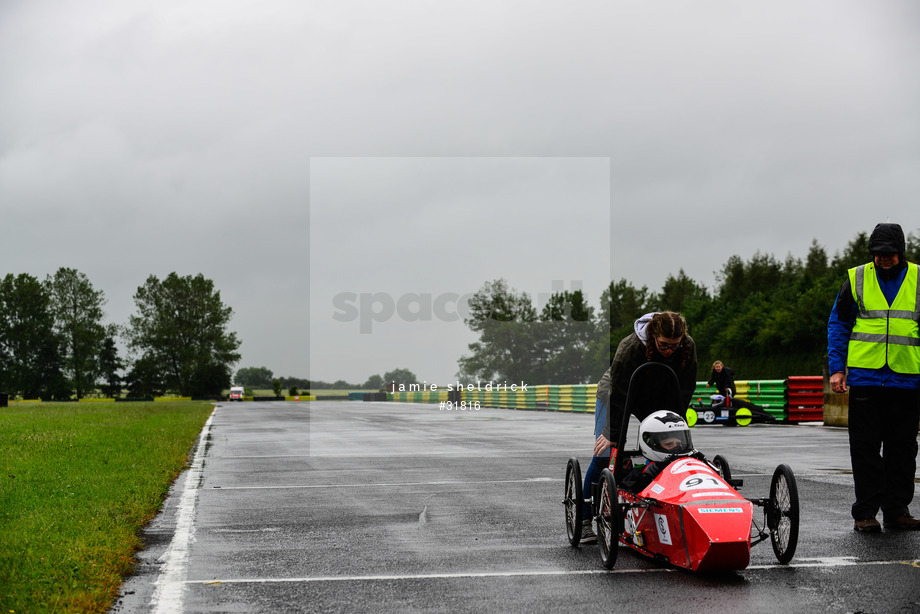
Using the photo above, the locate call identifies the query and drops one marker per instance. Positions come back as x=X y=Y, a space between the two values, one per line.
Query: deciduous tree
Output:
x=181 y=328
x=109 y=366
x=564 y=337
x=374 y=382
x=257 y=377
x=507 y=349
x=78 y=316
x=621 y=304
x=31 y=364
x=399 y=376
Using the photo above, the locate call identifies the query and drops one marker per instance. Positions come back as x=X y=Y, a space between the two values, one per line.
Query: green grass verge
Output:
x=78 y=481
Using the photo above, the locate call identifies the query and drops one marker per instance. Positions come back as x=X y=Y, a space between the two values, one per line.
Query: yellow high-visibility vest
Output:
x=885 y=334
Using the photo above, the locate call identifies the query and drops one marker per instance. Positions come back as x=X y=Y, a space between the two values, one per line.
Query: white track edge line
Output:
x=825 y=563
x=167 y=596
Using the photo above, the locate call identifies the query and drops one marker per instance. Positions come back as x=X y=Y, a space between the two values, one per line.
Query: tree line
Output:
x=262 y=377
x=766 y=318
x=56 y=345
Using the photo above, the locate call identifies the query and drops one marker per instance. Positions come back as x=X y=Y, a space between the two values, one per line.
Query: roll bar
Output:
x=631 y=399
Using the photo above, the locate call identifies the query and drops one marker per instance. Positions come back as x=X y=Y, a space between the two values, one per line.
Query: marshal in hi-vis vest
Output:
x=885 y=334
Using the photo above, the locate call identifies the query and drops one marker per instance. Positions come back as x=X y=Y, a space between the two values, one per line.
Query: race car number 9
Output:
x=698 y=481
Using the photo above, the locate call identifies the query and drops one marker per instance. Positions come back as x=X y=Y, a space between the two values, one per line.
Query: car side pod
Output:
x=718 y=534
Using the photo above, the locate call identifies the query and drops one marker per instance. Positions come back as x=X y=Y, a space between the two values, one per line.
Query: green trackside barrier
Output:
x=578 y=398
x=703 y=392
x=427 y=396
x=564 y=400
x=552 y=398
x=540 y=394
x=769 y=394
x=583 y=397
x=571 y=398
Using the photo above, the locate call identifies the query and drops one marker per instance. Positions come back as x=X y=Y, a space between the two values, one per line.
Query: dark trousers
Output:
x=882 y=424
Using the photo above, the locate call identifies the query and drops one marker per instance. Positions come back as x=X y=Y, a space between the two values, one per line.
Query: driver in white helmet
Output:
x=663 y=437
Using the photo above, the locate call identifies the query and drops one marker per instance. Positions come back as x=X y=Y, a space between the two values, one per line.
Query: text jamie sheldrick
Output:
x=488 y=387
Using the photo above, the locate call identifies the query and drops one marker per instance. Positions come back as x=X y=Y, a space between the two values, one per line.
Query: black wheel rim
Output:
x=609 y=521
x=604 y=529
x=570 y=503
x=783 y=517
x=573 y=502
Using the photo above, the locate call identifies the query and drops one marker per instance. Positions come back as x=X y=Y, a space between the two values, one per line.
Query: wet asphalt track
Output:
x=388 y=507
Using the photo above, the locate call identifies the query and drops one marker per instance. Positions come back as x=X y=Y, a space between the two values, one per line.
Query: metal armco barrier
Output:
x=805 y=398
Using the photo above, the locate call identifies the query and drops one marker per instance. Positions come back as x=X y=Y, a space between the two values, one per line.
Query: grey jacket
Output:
x=629 y=356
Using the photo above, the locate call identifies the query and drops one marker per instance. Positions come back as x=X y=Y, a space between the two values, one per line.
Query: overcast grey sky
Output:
x=301 y=153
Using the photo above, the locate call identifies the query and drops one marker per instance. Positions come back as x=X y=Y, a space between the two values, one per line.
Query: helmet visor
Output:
x=669 y=442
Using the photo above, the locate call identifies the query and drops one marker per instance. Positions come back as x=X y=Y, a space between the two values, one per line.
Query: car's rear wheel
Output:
x=573 y=501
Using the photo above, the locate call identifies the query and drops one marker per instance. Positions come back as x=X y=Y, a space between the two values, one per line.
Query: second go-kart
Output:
x=690 y=515
x=727 y=411
x=718 y=411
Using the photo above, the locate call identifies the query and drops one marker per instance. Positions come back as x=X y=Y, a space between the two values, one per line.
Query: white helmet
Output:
x=664 y=434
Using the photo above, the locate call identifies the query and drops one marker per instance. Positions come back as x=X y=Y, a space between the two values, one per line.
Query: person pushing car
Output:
x=657 y=337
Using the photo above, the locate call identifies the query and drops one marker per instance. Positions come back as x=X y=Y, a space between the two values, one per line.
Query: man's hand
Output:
x=839 y=382
x=602 y=444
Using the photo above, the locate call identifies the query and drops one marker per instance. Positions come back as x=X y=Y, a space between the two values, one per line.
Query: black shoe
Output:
x=868 y=525
x=903 y=523
x=588 y=536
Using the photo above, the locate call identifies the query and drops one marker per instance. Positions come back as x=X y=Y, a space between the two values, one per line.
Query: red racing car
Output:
x=690 y=515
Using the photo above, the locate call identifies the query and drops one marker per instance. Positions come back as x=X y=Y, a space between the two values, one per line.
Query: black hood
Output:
x=887 y=239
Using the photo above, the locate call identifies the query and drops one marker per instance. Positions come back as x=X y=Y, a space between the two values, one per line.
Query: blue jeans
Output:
x=598 y=463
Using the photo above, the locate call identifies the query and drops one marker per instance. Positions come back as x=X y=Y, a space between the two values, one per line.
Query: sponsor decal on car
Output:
x=664 y=532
